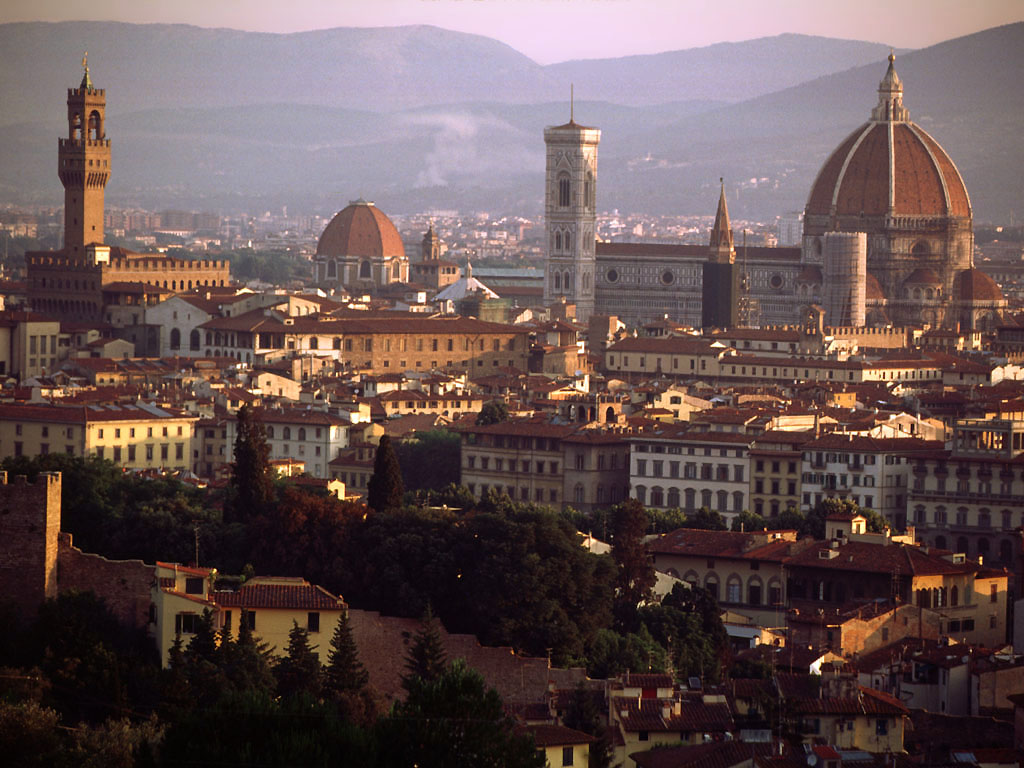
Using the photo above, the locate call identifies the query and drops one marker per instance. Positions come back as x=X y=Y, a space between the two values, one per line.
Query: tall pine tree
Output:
x=636 y=577
x=252 y=483
x=385 y=489
x=299 y=672
x=344 y=672
x=427 y=659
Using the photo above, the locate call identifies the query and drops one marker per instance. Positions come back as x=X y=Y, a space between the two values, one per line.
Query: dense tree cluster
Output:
x=512 y=574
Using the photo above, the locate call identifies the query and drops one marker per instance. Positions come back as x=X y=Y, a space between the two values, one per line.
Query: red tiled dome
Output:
x=889 y=165
x=923 y=276
x=856 y=179
x=975 y=285
x=360 y=230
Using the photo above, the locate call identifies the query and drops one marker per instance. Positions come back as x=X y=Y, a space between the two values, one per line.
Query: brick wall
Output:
x=29 y=522
x=124 y=584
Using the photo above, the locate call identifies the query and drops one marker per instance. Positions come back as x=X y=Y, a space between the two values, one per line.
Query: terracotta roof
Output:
x=872 y=288
x=671 y=345
x=299 y=595
x=723 y=544
x=975 y=285
x=923 y=276
x=714 y=754
x=864 y=557
x=694 y=715
x=856 y=177
x=557 y=735
x=868 y=702
x=360 y=230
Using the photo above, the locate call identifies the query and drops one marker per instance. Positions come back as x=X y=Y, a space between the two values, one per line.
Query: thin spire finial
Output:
x=572 y=102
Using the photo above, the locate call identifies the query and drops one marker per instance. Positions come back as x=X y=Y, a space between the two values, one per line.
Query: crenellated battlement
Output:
x=77 y=93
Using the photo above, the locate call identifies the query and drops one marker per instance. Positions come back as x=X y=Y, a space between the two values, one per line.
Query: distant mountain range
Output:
x=419 y=117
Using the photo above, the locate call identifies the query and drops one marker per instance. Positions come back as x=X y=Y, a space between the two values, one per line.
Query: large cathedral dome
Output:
x=889 y=167
x=360 y=230
x=892 y=181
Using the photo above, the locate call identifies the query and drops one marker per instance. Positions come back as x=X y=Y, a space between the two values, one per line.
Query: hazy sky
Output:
x=556 y=30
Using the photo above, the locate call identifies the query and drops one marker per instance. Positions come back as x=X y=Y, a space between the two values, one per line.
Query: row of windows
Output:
x=522 y=466
x=718 y=501
x=524 y=493
x=691 y=470
x=690 y=450
x=982 y=519
x=117 y=453
x=44 y=430
x=131 y=431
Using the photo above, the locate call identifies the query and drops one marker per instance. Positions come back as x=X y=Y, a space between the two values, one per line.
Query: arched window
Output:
x=175 y=338
x=558 y=242
x=287 y=433
x=396 y=270
x=954 y=596
x=564 y=190
x=270 y=432
x=734 y=589
x=961 y=544
x=983 y=545
x=193 y=340
x=95 y=126
x=657 y=496
x=984 y=518
x=673 y=498
x=302 y=433
x=690 y=495
x=588 y=191
x=567 y=281
x=364 y=270
x=737 y=501
x=641 y=494
x=723 y=501
x=920 y=248
x=705 y=498
x=332 y=268
x=558 y=280
x=754 y=591
x=711 y=585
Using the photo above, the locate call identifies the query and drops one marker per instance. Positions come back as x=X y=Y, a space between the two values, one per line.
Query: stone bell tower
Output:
x=570 y=214
x=83 y=164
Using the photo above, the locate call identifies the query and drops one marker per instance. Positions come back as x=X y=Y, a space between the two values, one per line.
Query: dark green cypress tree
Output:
x=344 y=672
x=252 y=484
x=427 y=659
x=385 y=489
x=299 y=673
x=250 y=668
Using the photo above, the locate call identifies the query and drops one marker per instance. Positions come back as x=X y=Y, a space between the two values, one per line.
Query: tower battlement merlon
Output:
x=79 y=92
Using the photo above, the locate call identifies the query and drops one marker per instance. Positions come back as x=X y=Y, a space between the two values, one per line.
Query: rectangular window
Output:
x=313 y=621
x=194 y=585
x=179 y=450
x=163 y=451
x=567 y=756
x=185 y=623
x=131 y=452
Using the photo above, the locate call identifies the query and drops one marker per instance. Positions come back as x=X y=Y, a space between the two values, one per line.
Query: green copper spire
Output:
x=86 y=80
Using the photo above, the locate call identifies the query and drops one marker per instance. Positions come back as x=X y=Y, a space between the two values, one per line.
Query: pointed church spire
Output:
x=86 y=80
x=572 y=103
x=721 y=233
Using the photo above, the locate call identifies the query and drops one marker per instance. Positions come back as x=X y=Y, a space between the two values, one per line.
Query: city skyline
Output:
x=536 y=28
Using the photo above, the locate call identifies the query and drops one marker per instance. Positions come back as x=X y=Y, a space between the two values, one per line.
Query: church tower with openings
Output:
x=570 y=214
x=83 y=164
